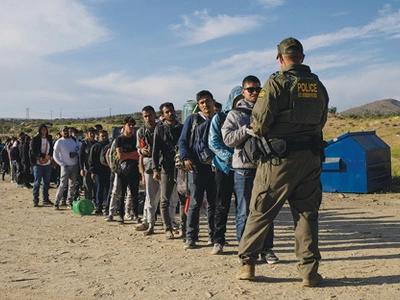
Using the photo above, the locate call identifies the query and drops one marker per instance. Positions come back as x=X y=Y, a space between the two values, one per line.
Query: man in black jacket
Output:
x=84 y=150
x=40 y=153
x=25 y=163
x=166 y=137
x=100 y=172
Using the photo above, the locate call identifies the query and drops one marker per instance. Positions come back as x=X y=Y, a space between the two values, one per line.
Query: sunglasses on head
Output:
x=253 y=89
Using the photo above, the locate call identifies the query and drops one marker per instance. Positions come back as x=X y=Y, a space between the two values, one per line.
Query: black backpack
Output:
x=14 y=153
x=253 y=148
x=103 y=154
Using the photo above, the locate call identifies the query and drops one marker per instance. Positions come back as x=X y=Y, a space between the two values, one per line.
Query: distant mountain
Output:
x=385 y=107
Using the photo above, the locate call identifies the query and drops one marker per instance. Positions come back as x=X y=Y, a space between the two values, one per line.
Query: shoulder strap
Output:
x=243 y=109
x=161 y=131
x=195 y=120
x=221 y=118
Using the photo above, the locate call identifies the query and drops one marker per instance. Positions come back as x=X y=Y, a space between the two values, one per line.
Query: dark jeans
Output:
x=102 y=189
x=244 y=181
x=203 y=181
x=224 y=188
x=78 y=186
x=132 y=179
x=5 y=170
x=41 y=175
x=89 y=186
x=22 y=173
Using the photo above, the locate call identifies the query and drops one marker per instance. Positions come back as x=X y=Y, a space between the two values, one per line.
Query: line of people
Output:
x=213 y=154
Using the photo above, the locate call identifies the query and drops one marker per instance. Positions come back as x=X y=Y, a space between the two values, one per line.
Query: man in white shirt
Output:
x=65 y=154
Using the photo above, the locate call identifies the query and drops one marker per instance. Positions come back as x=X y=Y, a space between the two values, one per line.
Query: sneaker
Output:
x=128 y=217
x=312 y=281
x=47 y=202
x=175 y=225
x=268 y=256
x=98 y=211
x=56 y=207
x=246 y=272
x=189 y=244
x=109 y=218
x=35 y=204
x=20 y=186
x=217 y=249
x=142 y=227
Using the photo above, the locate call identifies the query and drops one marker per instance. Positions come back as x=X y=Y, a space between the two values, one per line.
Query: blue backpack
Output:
x=200 y=143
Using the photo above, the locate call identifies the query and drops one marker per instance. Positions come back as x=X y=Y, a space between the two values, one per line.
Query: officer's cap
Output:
x=290 y=46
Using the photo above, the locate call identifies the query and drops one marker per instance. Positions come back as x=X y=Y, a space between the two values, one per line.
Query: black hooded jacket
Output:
x=35 y=149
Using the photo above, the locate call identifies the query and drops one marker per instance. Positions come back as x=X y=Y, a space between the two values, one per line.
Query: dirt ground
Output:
x=48 y=254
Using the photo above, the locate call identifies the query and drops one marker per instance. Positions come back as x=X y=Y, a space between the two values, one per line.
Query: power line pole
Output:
x=27 y=114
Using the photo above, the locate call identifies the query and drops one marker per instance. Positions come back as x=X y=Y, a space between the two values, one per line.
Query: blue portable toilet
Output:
x=356 y=162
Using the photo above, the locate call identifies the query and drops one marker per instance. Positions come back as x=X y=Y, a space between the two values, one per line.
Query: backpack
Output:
x=114 y=162
x=182 y=182
x=14 y=153
x=253 y=148
x=103 y=154
x=200 y=144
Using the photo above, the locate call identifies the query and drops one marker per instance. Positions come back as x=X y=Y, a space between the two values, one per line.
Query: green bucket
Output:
x=83 y=207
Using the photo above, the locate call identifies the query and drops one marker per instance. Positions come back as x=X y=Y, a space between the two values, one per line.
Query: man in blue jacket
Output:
x=201 y=176
x=223 y=171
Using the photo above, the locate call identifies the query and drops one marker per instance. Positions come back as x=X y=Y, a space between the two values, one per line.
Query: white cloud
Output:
x=271 y=3
x=39 y=28
x=388 y=23
x=201 y=27
x=364 y=85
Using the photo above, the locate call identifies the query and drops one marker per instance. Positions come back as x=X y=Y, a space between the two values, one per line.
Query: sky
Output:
x=94 y=58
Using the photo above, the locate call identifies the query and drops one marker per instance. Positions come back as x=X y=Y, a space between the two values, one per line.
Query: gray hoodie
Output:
x=234 y=134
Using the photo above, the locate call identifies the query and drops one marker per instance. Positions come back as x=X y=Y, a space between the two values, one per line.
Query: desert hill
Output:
x=385 y=107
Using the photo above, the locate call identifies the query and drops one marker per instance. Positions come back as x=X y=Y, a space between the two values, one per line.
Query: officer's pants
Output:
x=296 y=179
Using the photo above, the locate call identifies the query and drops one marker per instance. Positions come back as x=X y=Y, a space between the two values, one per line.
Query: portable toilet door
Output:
x=188 y=108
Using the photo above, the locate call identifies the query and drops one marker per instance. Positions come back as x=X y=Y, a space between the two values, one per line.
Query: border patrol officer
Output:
x=290 y=113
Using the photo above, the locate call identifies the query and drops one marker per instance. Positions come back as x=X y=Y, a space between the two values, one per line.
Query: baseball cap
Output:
x=290 y=46
x=63 y=128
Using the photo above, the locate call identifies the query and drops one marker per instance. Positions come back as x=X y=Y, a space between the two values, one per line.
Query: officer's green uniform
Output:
x=293 y=106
